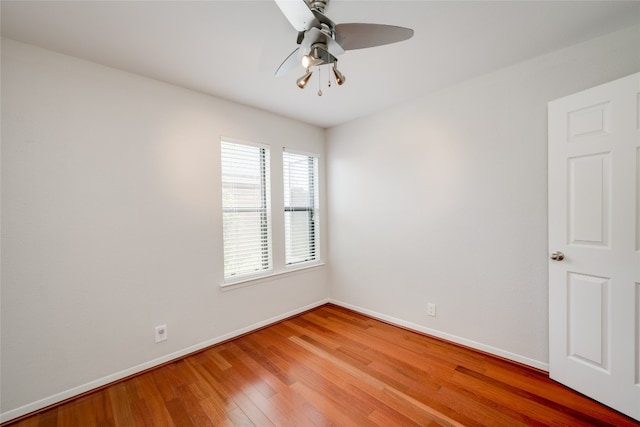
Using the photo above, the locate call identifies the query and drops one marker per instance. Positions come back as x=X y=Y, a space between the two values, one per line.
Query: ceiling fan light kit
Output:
x=302 y=81
x=340 y=78
x=321 y=41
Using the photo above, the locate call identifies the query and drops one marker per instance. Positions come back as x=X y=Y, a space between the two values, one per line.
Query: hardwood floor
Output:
x=332 y=366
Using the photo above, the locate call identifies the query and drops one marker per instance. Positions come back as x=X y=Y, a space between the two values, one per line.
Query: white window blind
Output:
x=246 y=209
x=300 y=176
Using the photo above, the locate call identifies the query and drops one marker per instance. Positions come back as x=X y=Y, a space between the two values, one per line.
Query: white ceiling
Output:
x=231 y=49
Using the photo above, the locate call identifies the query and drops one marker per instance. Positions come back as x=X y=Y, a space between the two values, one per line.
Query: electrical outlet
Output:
x=431 y=309
x=161 y=333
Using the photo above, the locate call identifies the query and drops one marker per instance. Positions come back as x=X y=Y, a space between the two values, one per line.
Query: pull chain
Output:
x=319 y=81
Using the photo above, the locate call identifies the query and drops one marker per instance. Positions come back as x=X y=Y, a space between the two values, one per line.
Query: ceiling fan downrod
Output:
x=319 y=5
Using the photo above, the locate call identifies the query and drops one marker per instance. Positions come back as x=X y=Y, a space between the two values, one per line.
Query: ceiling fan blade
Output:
x=360 y=36
x=334 y=47
x=288 y=64
x=298 y=14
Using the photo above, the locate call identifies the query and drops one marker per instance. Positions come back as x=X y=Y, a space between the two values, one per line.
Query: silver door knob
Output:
x=557 y=256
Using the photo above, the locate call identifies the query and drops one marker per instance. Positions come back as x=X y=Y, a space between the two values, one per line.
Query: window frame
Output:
x=279 y=266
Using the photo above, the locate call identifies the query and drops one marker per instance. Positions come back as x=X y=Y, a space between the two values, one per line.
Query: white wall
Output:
x=444 y=200
x=111 y=225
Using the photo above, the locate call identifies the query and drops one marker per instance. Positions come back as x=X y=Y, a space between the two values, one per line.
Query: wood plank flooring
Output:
x=333 y=367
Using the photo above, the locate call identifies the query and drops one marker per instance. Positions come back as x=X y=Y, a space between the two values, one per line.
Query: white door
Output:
x=594 y=223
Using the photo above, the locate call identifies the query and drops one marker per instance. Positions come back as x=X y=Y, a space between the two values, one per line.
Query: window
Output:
x=246 y=210
x=247 y=217
x=300 y=177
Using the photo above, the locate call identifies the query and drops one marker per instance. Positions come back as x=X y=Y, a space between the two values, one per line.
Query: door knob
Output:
x=557 y=256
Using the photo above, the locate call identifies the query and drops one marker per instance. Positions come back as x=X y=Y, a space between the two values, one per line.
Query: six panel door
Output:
x=594 y=223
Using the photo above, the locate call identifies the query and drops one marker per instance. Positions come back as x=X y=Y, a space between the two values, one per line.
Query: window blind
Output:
x=300 y=176
x=246 y=209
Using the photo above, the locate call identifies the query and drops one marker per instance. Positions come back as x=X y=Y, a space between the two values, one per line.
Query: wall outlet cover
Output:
x=431 y=309
x=161 y=333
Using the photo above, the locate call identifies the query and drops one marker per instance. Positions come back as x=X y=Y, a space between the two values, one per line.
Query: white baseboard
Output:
x=92 y=385
x=455 y=339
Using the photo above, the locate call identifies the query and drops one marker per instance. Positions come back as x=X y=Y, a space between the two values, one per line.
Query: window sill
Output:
x=254 y=280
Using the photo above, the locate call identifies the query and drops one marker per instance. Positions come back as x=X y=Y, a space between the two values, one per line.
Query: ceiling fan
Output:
x=321 y=41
